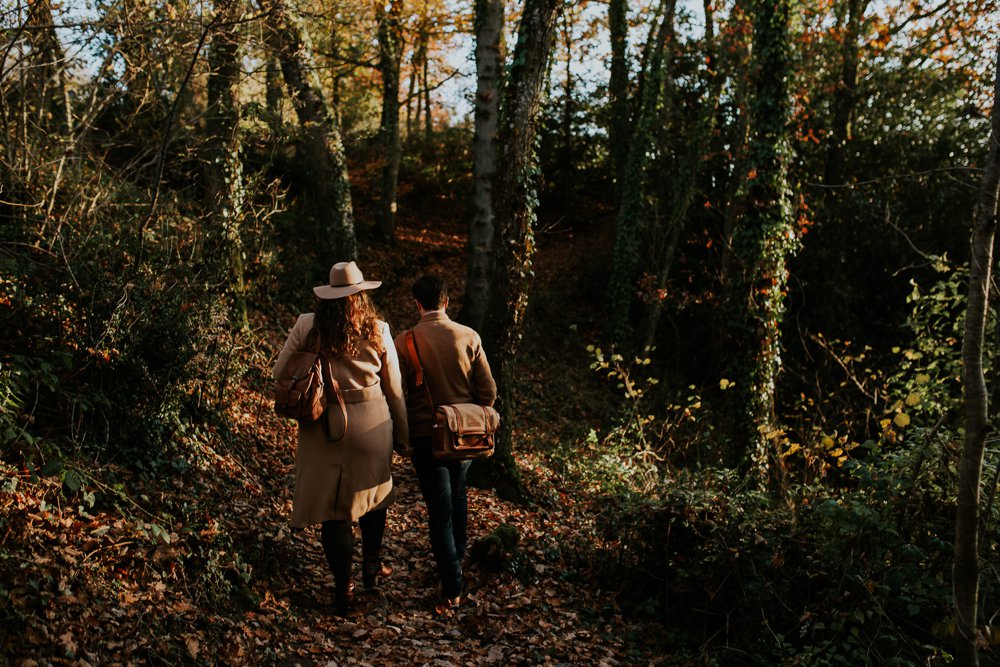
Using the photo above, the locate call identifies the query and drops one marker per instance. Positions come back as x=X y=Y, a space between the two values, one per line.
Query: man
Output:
x=455 y=370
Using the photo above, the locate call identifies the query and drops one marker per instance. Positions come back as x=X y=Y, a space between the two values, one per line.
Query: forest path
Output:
x=537 y=617
x=195 y=563
x=544 y=607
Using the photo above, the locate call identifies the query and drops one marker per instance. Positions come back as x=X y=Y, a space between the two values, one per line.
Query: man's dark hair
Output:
x=431 y=291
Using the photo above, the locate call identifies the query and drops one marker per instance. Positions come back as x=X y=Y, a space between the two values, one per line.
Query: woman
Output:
x=342 y=468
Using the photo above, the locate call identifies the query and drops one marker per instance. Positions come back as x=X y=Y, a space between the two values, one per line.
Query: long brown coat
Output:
x=455 y=368
x=345 y=479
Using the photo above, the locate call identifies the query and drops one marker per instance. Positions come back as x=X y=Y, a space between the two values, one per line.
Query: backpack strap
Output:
x=418 y=369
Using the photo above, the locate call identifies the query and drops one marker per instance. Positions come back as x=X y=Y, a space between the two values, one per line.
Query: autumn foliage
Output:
x=729 y=271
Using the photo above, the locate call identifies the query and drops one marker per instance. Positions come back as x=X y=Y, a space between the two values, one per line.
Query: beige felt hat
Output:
x=345 y=279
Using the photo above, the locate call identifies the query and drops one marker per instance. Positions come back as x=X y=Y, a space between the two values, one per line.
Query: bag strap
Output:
x=325 y=371
x=418 y=369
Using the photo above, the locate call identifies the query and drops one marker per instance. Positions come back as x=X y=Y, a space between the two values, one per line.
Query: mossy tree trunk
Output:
x=764 y=239
x=223 y=169
x=515 y=200
x=630 y=219
x=740 y=52
x=328 y=190
x=685 y=185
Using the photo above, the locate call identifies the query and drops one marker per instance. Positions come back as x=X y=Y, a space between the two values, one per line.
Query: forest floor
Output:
x=201 y=567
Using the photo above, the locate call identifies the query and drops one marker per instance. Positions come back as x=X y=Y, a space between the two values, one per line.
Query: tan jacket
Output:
x=345 y=479
x=455 y=369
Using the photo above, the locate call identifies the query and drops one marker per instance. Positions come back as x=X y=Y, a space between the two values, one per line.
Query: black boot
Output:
x=371 y=572
x=344 y=599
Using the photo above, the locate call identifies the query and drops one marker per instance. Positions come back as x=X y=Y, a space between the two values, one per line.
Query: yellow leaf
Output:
x=884 y=424
x=826 y=441
x=792 y=449
x=913 y=399
x=724 y=384
x=923 y=378
x=901 y=420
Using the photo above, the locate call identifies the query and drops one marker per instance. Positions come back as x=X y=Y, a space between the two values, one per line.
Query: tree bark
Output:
x=223 y=169
x=272 y=99
x=390 y=38
x=515 y=210
x=49 y=69
x=621 y=288
x=328 y=189
x=426 y=91
x=845 y=96
x=734 y=200
x=489 y=60
x=966 y=586
x=567 y=162
x=618 y=125
x=686 y=186
x=411 y=97
x=766 y=236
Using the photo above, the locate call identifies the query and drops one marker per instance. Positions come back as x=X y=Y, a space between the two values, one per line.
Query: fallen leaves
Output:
x=203 y=567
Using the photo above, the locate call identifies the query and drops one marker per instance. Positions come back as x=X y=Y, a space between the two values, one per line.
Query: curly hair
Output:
x=342 y=325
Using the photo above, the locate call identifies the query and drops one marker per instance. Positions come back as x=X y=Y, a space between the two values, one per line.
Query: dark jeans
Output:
x=337 y=538
x=442 y=484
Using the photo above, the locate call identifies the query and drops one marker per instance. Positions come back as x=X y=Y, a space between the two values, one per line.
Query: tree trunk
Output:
x=845 y=97
x=489 y=60
x=48 y=65
x=418 y=84
x=734 y=200
x=515 y=210
x=426 y=90
x=273 y=93
x=390 y=38
x=568 y=166
x=410 y=96
x=966 y=585
x=618 y=126
x=686 y=186
x=766 y=236
x=628 y=241
x=328 y=189
x=224 y=171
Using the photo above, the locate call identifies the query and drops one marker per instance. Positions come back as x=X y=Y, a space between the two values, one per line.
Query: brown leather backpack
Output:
x=301 y=391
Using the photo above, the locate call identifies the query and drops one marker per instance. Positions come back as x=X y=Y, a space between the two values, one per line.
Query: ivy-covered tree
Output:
x=630 y=221
x=765 y=236
x=328 y=190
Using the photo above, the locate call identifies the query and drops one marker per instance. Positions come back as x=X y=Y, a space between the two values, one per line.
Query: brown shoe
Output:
x=447 y=606
x=372 y=572
x=344 y=599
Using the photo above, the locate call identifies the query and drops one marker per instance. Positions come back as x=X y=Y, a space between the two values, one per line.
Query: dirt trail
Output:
x=199 y=566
